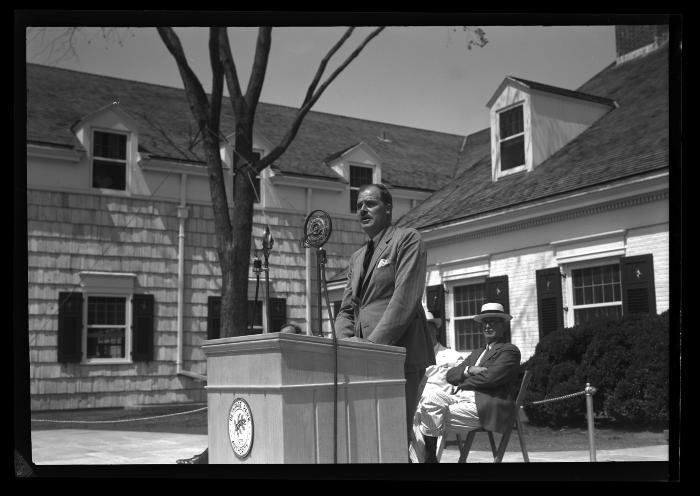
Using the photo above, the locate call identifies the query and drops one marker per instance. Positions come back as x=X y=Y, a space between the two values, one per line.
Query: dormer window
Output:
x=511 y=137
x=359 y=176
x=109 y=160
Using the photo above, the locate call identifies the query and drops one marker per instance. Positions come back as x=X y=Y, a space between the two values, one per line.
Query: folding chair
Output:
x=498 y=452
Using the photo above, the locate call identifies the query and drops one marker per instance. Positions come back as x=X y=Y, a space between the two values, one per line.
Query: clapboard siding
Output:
x=70 y=232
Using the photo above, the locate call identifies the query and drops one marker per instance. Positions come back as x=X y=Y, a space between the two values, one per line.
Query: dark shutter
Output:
x=278 y=313
x=550 y=310
x=70 y=327
x=638 y=292
x=435 y=299
x=214 y=317
x=497 y=292
x=142 y=326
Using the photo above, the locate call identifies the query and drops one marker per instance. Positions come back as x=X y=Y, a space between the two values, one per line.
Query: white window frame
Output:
x=450 y=317
x=353 y=208
x=519 y=168
x=127 y=330
x=127 y=161
x=567 y=270
x=113 y=285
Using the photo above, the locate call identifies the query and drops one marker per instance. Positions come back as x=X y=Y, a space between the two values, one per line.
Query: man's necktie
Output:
x=365 y=264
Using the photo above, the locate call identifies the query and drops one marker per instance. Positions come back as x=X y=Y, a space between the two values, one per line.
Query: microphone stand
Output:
x=267 y=243
x=321 y=257
x=317 y=230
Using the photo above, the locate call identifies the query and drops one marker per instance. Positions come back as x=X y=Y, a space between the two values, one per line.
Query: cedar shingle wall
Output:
x=71 y=232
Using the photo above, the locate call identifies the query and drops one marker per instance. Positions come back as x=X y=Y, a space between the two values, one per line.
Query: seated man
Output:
x=445 y=358
x=483 y=382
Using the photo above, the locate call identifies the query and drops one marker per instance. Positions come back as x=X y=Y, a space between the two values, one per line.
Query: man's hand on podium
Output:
x=358 y=339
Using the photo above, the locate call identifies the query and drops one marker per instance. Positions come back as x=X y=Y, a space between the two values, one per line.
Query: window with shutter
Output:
x=550 y=312
x=467 y=301
x=70 y=327
x=638 y=291
x=596 y=292
x=142 y=347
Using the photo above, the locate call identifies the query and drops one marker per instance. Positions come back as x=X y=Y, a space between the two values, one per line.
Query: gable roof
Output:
x=58 y=98
x=551 y=89
x=627 y=141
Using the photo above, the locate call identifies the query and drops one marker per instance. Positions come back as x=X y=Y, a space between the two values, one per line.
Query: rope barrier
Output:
x=589 y=391
x=556 y=399
x=119 y=420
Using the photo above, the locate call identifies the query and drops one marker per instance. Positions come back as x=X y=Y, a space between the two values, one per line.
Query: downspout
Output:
x=308 y=271
x=182 y=212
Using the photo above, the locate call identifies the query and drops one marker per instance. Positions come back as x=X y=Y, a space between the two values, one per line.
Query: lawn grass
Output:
x=606 y=436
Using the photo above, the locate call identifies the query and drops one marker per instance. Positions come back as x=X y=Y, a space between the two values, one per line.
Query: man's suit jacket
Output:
x=389 y=310
x=494 y=387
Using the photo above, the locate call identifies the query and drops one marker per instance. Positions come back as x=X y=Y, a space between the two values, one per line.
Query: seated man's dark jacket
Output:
x=494 y=387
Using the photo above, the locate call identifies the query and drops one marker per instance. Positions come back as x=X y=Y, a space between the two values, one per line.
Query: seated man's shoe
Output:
x=200 y=459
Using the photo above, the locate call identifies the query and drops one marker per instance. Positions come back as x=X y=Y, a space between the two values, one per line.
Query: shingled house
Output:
x=560 y=208
x=123 y=278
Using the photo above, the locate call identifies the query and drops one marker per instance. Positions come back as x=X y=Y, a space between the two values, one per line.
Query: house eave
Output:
x=649 y=187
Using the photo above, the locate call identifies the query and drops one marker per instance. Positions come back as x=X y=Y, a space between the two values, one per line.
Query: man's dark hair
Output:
x=384 y=194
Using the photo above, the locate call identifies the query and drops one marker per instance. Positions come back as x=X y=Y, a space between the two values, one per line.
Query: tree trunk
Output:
x=236 y=252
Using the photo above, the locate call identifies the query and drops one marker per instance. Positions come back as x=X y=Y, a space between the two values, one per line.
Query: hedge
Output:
x=625 y=359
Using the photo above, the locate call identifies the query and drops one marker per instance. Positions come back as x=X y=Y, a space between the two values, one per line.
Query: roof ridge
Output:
x=132 y=81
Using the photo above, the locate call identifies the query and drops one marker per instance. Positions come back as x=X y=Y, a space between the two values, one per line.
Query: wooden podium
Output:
x=270 y=400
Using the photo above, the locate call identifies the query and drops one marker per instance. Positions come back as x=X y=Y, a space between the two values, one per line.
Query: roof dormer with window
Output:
x=110 y=138
x=532 y=121
x=358 y=165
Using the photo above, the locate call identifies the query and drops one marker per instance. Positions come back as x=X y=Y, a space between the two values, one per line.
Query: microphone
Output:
x=317 y=229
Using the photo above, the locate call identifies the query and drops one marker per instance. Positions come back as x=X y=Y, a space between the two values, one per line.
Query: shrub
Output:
x=625 y=359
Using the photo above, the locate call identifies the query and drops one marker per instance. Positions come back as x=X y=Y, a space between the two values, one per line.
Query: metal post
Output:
x=590 y=391
x=319 y=262
x=322 y=275
x=268 y=242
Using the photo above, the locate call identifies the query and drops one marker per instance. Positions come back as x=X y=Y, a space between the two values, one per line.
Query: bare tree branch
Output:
x=324 y=62
x=257 y=75
x=217 y=83
x=234 y=87
x=200 y=106
x=309 y=102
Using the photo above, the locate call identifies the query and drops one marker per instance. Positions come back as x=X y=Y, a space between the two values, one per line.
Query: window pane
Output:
x=468 y=299
x=598 y=294
x=110 y=175
x=359 y=176
x=511 y=122
x=109 y=145
x=589 y=314
x=105 y=343
x=468 y=335
x=512 y=153
x=105 y=310
x=353 y=200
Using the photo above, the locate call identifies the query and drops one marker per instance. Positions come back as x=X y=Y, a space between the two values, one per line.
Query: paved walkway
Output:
x=105 y=447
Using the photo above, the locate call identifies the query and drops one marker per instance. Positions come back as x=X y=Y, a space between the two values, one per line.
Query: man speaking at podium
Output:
x=382 y=299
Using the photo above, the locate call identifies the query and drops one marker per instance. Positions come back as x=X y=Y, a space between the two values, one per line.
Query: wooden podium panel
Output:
x=287 y=382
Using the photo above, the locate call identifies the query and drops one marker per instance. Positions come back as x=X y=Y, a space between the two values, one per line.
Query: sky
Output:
x=418 y=76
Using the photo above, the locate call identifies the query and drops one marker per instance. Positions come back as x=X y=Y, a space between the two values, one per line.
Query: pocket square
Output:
x=382 y=263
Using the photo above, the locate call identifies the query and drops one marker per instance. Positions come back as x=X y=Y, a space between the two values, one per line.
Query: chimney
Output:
x=633 y=41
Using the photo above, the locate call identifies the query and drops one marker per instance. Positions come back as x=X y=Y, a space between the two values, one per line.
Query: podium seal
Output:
x=240 y=427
